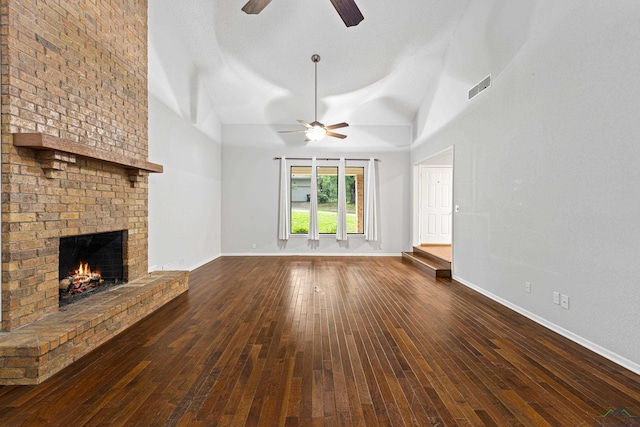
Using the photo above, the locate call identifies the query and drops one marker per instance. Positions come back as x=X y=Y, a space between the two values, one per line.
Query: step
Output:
x=432 y=268
x=423 y=251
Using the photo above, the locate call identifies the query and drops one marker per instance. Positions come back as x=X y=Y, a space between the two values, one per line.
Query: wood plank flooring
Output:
x=302 y=341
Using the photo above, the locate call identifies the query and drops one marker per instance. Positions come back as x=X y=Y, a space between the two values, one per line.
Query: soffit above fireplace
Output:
x=58 y=152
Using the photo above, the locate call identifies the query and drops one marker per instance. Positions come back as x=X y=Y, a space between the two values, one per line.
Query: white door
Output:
x=436 y=185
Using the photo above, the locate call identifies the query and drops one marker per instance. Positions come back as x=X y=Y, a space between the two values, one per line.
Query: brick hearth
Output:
x=74 y=161
x=35 y=352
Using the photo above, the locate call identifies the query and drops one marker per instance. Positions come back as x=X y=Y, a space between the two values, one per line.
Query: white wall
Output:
x=547 y=162
x=185 y=137
x=250 y=188
x=184 y=200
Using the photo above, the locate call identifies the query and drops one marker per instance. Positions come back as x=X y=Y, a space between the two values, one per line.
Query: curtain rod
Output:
x=324 y=158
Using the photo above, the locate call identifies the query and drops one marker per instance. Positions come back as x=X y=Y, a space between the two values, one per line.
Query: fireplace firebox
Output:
x=90 y=263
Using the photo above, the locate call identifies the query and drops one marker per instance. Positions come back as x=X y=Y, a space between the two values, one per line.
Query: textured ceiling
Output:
x=257 y=69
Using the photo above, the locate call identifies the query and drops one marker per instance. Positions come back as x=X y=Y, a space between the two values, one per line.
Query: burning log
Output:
x=64 y=284
x=80 y=280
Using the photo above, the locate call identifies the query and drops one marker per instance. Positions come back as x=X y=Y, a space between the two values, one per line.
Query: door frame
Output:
x=443 y=158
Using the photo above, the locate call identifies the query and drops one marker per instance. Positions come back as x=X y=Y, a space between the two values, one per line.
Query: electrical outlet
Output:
x=253 y=245
x=556 y=297
x=527 y=287
x=564 y=301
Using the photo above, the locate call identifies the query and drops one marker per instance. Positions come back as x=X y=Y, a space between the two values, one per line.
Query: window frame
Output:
x=362 y=164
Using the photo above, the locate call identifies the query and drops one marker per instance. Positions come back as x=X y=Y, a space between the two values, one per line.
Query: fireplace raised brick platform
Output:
x=35 y=352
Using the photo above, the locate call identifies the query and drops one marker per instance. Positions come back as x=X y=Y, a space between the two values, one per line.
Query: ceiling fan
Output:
x=315 y=130
x=347 y=9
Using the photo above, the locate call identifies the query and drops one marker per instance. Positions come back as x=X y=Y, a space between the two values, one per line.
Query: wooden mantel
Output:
x=57 y=152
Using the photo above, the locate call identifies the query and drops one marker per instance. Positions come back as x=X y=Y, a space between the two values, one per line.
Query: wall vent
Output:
x=480 y=87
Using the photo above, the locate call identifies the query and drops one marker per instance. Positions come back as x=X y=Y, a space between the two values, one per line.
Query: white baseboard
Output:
x=311 y=254
x=272 y=254
x=193 y=267
x=206 y=261
x=608 y=354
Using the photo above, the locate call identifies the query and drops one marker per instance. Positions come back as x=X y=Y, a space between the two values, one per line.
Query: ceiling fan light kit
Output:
x=315 y=131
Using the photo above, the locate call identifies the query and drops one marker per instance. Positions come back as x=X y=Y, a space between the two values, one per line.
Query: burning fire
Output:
x=84 y=273
x=81 y=279
x=83 y=269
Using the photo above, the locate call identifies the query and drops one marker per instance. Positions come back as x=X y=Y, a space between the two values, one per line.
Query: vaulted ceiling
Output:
x=257 y=69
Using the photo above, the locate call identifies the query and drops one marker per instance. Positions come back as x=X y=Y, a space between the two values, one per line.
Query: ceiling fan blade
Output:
x=292 y=131
x=253 y=7
x=303 y=123
x=348 y=11
x=336 y=135
x=338 y=126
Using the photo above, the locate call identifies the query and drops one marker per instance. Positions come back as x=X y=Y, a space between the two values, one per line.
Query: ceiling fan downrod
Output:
x=316 y=58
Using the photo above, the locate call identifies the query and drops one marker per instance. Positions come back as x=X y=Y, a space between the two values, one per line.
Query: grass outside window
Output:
x=326 y=222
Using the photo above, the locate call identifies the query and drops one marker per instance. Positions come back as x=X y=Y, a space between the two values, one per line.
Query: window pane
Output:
x=327 y=200
x=354 y=183
x=300 y=194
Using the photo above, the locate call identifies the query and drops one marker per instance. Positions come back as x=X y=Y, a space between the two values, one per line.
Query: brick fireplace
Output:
x=74 y=162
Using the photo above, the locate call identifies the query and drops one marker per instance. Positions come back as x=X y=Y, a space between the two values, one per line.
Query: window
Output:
x=327 y=185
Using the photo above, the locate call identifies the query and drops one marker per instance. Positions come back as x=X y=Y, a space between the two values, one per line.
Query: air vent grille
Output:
x=484 y=84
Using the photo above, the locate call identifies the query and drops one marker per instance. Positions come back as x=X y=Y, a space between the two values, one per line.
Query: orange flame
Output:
x=85 y=270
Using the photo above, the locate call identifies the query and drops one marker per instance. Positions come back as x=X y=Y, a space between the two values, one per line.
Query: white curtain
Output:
x=313 y=208
x=370 y=204
x=283 y=206
x=341 y=230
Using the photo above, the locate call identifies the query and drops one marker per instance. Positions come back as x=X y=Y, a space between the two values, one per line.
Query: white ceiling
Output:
x=257 y=69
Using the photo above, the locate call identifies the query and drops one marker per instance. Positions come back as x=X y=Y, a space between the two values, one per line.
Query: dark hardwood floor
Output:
x=300 y=341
